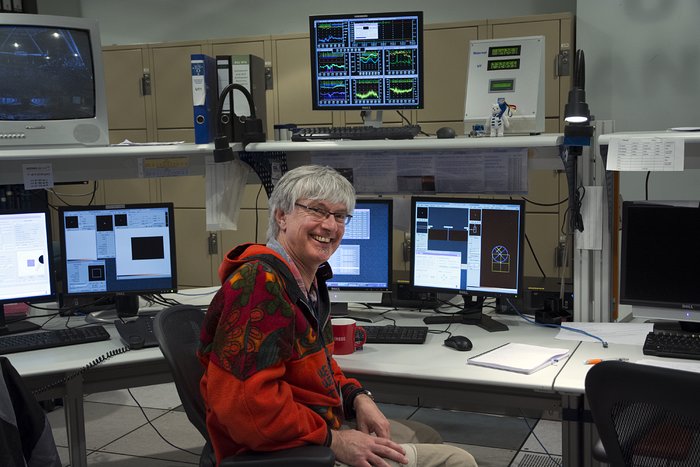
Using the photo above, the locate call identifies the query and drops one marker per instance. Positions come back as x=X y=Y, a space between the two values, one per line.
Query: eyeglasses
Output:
x=322 y=214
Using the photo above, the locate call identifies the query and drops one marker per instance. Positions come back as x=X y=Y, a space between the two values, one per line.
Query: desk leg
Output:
x=573 y=445
x=75 y=422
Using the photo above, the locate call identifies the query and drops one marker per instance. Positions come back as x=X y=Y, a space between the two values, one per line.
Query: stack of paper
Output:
x=521 y=358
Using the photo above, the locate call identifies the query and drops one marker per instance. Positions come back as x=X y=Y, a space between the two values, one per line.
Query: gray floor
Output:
x=118 y=434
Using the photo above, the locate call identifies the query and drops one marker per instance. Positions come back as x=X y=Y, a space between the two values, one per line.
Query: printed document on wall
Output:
x=646 y=154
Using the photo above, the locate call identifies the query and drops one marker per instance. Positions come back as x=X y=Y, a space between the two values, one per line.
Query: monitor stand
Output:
x=125 y=306
x=339 y=310
x=372 y=118
x=16 y=326
x=470 y=314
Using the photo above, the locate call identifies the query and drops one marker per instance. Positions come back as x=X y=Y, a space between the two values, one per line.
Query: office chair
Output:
x=177 y=329
x=645 y=415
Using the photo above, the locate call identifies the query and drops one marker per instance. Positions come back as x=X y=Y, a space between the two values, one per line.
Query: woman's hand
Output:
x=359 y=449
x=369 y=418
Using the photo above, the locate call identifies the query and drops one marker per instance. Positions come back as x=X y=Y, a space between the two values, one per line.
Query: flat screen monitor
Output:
x=119 y=251
x=53 y=90
x=362 y=264
x=370 y=61
x=472 y=247
x=26 y=271
x=659 y=260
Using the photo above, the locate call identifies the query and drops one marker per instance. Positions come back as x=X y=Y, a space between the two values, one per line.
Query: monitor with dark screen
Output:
x=370 y=61
x=472 y=247
x=26 y=274
x=120 y=250
x=362 y=264
x=660 y=259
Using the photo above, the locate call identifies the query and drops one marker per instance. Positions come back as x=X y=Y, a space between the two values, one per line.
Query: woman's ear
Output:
x=281 y=218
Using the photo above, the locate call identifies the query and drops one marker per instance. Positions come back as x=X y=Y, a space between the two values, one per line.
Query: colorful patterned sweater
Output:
x=270 y=381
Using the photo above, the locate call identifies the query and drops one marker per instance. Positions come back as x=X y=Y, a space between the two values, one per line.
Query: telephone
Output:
x=138 y=333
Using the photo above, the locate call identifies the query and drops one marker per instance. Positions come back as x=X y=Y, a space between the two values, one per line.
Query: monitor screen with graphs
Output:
x=367 y=61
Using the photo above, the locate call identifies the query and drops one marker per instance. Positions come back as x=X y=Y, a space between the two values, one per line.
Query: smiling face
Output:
x=307 y=238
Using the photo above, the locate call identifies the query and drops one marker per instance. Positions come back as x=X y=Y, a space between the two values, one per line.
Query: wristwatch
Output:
x=365 y=392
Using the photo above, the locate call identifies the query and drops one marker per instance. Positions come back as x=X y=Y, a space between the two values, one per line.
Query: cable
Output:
x=92 y=364
x=535 y=256
x=532 y=432
x=156 y=429
x=257 y=220
x=558 y=203
x=646 y=187
x=558 y=326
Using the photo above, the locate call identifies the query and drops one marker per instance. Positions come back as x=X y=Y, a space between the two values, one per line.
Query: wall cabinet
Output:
x=166 y=115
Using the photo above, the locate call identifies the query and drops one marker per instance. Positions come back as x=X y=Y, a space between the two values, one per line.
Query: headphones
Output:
x=243 y=129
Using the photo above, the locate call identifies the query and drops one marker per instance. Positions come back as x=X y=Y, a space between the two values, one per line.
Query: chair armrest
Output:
x=304 y=456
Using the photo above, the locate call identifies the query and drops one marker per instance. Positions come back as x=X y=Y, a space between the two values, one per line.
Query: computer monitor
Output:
x=53 y=85
x=472 y=247
x=371 y=61
x=660 y=255
x=362 y=264
x=119 y=251
x=26 y=272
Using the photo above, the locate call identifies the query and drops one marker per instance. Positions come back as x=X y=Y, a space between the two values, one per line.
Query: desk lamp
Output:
x=244 y=129
x=577 y=133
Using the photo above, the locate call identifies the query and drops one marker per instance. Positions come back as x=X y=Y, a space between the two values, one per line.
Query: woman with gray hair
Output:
x=270 y=381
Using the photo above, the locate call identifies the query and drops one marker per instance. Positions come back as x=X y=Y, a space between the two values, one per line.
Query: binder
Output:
x=249 y=72
x=520 y=358
x=224 y=74
x=204 y=98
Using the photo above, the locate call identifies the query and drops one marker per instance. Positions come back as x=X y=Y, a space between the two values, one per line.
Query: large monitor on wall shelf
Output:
x=370 y=61
x=26 y=272
x=53 y=90
x=659 y=261
x=118 y=252
x=362 y=264
x=472 y=247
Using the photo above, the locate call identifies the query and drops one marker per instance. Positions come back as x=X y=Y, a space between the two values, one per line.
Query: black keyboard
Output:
x=355 y=132
x=54 y=338
x=672 y=344
x=396 y=334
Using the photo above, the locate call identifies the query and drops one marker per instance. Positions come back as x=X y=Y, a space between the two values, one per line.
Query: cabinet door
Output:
x=195 y=266
x=172 y=84
x=126 y=104
x=445 y=56
x=292 y=64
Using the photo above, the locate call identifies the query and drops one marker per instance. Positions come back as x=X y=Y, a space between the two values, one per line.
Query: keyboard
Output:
x=355 y=132
x=672 y=344
x=396 y=334
x=54 y=338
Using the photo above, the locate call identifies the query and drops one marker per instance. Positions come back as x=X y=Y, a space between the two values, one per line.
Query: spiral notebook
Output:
x=520 y=358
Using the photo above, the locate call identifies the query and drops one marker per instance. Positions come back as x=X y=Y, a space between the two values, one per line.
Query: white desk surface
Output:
x=434 y=361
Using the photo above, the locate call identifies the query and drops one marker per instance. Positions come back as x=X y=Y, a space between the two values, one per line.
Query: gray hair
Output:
x=314 y=182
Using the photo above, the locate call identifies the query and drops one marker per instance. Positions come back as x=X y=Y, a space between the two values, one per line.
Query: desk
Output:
x=430 y=375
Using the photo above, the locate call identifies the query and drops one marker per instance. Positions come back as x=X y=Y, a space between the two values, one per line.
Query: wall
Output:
x=643 y=71
x=144 y=21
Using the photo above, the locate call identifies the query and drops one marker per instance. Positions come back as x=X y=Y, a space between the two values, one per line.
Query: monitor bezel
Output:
x=351 y=107
x=468 y=292
x=75 y=132
x=144 y=291
x=50 y=260
x=338 y=291
x=673 y=310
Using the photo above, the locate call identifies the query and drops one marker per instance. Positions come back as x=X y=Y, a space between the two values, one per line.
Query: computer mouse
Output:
x=461 y=343
x=445 y=132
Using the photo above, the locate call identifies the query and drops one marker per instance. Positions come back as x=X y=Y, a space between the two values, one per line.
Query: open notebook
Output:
x=520 y=358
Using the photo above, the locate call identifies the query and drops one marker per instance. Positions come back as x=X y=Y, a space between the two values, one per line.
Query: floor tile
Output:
x=104 y=423
x=549 y=434
x=145 y=442
x=489 y=457
x=158 y=396
x=105 y=459
x=397 y=412
x=474 y=428
x=528 y=459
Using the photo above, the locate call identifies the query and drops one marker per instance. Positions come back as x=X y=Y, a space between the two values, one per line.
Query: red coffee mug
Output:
x=347 y=336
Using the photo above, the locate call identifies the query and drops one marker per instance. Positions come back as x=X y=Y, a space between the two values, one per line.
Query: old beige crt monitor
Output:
x=52 y=90
x=511 y=69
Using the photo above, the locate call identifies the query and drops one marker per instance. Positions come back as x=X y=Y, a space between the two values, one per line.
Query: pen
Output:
x=593 y=361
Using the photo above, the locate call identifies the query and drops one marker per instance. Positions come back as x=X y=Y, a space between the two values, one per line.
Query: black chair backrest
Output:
x=177 y=330
x=645 y=415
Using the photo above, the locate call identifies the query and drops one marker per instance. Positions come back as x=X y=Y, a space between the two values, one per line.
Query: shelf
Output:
x=114 y=162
